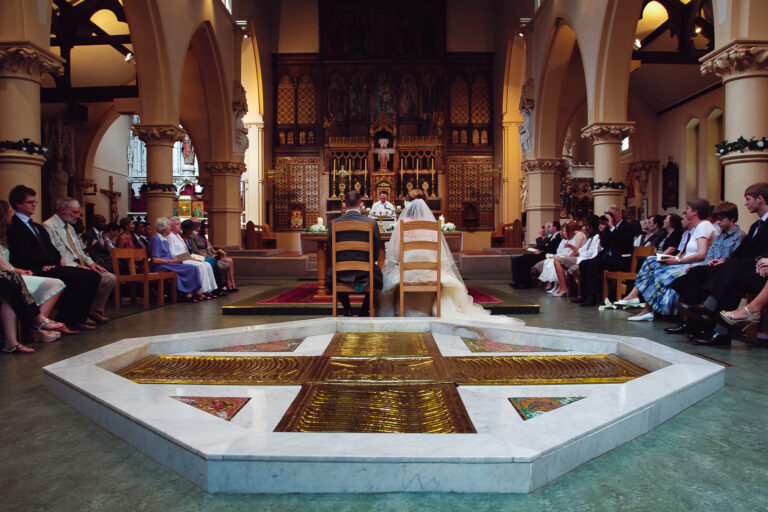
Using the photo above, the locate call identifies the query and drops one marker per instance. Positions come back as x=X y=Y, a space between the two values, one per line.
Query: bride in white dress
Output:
x=455 y=303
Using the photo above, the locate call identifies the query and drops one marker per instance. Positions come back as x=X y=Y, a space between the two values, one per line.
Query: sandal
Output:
x=730 y=318
x=191 y=299
x=19 y=349
x=44 y=336
x=49 y=325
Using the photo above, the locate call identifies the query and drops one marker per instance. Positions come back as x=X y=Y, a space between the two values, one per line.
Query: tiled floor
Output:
x=710 y=457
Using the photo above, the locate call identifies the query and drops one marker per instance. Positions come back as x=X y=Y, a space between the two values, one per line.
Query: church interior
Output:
x=260 y=116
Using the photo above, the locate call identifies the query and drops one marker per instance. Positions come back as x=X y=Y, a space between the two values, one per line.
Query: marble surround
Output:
x=506 y=455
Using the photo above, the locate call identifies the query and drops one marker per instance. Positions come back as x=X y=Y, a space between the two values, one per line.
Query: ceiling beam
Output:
x=667 y=57
x=95 y=40
x=87 y=94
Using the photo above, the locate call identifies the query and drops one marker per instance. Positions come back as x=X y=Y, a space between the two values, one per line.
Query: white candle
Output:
x=319 y=221
x=442 y=221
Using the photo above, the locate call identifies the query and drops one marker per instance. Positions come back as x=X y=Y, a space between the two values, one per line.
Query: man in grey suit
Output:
x=66 y=241
x=357 y=277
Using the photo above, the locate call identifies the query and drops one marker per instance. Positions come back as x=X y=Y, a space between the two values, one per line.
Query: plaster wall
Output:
x=111 y=159
x=739 y=19
x=26 y=20
x=470 y=25
x=671 y=140
x=299 y=27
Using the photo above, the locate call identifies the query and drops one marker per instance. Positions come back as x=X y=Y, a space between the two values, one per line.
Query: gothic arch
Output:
x=204 y=108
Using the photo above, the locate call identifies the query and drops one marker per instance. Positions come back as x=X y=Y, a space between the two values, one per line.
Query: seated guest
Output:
x=125 y=238
x=97 y=245
x=187 y=277
x=726 y=281
x=588 y=250
x=656 y=232
x=655 y=275
x=17 y=304
x=673 y=227
x=65 y=240
x=616 y=240
x=45 y=291
x=572 y=241
x=201 y=234
x=187 y=228
x=521 y=265
x=179 y=250
x=359 y=278
x=688 y=285
x=139 y=235
x=639 y=231
x=30 y=246
x=111 y=232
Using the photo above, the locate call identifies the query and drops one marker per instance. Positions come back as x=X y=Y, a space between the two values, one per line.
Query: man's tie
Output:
x=759 y=225
x=37 y=235
x=74 y=246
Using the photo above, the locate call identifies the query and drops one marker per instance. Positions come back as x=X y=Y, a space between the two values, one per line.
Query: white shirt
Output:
x=380 y=208
x=176 y=245
x=705 y=229
x=590 y=249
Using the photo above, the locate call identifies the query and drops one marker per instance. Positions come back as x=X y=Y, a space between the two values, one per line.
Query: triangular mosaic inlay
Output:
x=224 y=407
x=480 y=345
x=271 y=346
x=531 y=406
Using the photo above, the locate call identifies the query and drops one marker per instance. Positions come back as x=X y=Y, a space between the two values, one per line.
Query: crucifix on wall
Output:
x=114 y=197
x=383 y=154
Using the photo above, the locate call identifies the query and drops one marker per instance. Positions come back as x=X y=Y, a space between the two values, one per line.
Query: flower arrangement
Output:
x=449 y=227
x=317 y=228
x=33 y=148
x=608 y=184
x=741 y=144
x=165 y=187
x=389 y=228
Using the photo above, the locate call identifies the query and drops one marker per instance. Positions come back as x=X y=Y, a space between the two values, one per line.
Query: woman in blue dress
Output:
x=187 y=277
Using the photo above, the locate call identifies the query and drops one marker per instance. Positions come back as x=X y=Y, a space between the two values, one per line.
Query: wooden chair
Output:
x=621 y=277
x=413 y=245
x=341 y=266
x=144 y=277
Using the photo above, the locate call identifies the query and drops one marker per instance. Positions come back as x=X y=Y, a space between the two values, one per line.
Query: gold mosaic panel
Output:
x=381 y=369
x=481 y=111
x=306 y=96
x=217 y=370
x=374 y=344
x=286 y=101
x=459 y=101
x=566 y=369
x=468 y=182
x=434 y=409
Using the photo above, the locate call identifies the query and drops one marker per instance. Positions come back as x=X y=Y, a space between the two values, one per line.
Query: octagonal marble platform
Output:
x=506 y=455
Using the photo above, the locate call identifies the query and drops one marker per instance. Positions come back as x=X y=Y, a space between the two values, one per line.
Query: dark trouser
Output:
x=592 y=273
x=344 y=299
x=75 y=302
x=689 y=287
x=731 y=281
x=521 y=267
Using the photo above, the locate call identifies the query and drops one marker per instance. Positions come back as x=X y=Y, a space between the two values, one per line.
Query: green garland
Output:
x=608 y=184
x=742 y=145
x=165 y=187
x=33 y=148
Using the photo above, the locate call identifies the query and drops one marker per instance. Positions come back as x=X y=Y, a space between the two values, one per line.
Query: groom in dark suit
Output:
x=31 y=248
x=357 y=277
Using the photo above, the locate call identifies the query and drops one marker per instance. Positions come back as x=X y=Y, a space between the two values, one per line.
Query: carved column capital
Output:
x=225 y=168
x=607 y=132
x=544 y=165
x=737 y=59
x=158 y=134
x=23 y=60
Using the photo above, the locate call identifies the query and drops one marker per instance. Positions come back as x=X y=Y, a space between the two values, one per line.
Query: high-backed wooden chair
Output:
x=430 y=243
x=340 y=266
x=622 y=277
x=122 y=258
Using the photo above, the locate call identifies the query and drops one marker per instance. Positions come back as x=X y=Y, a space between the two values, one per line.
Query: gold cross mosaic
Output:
x=380 y=381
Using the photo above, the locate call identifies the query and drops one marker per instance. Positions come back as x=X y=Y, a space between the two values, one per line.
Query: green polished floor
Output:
x=709 y=457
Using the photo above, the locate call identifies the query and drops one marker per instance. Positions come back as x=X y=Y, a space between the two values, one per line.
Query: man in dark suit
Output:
x=357 y=277
x=521 y=265
x=727 y=281
x=618 y=242
x=31 y=248
x=97 y=244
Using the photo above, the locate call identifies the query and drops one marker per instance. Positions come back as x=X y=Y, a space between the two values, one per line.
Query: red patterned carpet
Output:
x=303 y=294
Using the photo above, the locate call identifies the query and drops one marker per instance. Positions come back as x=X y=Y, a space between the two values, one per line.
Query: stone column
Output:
x=22 y=68
x=254 y=158
x=543 y=177
x=160 y=193
x=510 y=180
x=743 y=67
x=225 y=207
x=606 y=138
